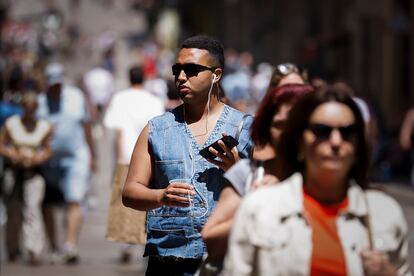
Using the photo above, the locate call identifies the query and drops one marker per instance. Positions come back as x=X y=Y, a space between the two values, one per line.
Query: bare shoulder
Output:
x=141 y=145
x=140 y=167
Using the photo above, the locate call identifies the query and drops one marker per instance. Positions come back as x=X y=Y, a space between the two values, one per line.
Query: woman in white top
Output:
x=24 y=142
x=322 y=219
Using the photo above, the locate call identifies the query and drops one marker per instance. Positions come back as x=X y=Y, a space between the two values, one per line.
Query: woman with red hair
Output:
x=242 y=177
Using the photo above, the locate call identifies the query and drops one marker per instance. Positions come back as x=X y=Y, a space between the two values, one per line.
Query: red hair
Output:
x=269 y=106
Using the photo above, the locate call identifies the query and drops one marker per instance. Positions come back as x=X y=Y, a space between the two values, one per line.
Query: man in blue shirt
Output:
x=73 y=153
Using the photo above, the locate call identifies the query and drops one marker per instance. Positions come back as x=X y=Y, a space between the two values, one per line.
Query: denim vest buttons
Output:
x=175 y=231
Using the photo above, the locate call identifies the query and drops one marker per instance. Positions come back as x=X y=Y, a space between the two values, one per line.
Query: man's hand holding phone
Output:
x=225 y=150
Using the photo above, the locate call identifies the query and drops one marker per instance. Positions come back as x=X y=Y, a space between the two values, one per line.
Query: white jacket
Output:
x=271 y=235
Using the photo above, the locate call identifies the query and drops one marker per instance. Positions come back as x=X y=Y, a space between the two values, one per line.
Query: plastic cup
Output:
x=186 y=181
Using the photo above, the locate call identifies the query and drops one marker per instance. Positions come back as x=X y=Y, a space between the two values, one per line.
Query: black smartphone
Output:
x=228 y=140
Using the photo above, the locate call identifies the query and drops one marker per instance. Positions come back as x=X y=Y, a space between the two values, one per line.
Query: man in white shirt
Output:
x=127 y=114
x=99 y=85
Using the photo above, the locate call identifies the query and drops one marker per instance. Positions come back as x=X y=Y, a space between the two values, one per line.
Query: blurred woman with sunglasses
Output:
x=266 y=129
x=322 y=219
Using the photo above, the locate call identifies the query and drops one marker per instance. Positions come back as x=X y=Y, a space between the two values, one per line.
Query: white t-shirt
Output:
x=99 y=85
x=27 y=142
x=158 y=87
x=129 y=111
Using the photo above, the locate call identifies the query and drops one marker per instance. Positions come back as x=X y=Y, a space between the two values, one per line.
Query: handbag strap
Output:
x=367 y=222
x=240 y=127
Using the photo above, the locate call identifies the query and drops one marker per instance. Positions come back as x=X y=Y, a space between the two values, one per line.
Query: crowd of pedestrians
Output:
x=220 y=169
x=314 y=156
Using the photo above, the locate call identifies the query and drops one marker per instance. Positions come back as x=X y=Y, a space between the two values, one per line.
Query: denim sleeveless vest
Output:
x=175 y=231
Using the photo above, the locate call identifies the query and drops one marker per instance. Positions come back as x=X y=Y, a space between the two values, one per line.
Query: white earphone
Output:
x=214 y=77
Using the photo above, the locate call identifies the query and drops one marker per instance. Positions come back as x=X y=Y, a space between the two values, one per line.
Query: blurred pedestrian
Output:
x=24 y=142
x=99 y=85
x=128 y=112
x=73 y=156
x=237 y=84
x=247 y=175
x=285 y=73
x=168 y=177
x=322 y=219
x=260 y=81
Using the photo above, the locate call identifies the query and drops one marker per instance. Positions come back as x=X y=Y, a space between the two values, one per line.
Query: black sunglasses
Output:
x=190 y=69
x=323 y=132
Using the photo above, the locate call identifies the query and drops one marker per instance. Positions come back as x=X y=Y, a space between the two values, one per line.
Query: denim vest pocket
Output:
x=167 y=242
x=166 y=170
x=169 y=211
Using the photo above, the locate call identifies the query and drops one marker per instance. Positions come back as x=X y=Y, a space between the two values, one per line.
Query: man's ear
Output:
x=217 y=75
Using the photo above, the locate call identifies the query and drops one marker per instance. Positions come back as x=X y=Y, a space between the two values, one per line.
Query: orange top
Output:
x=327 y=255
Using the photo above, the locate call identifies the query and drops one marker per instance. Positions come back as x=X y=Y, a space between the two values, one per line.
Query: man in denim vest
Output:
x=168 y=177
